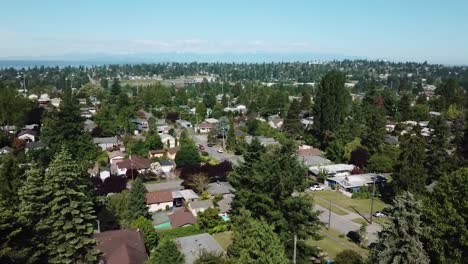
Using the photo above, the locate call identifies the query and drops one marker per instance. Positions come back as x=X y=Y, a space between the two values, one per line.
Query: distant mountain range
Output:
x=103 y=58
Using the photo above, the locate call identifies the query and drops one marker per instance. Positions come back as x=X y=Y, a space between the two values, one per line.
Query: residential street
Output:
x=213 y=151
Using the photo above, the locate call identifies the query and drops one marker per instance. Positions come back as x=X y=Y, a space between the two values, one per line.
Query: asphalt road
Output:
x=213 y=151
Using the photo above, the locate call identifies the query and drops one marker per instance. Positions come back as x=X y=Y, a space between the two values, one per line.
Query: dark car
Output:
x=354 y=236
x=201 y=147
x=210 y=145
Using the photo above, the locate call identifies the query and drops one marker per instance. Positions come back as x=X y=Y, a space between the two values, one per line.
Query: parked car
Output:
x=378 y=214
x=201 y=147
x=210 y=145
x=220 y=150
x=316 y=188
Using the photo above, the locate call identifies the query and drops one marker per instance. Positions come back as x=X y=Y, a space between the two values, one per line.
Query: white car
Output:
x=378 y=214
x=220 y=150
x=316 y=188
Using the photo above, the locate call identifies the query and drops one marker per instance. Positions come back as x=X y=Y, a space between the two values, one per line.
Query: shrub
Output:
x=205 y=154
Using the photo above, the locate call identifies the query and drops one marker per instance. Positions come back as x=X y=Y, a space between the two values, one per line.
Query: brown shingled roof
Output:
x=122 y=247
x=182 y=218
x=309 y=152
x=158 y=197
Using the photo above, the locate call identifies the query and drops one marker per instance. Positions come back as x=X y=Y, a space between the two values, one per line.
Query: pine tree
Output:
x=137 y=201
x=437 y=158
x=409 y=172
x=375 y=128
x=69 y=213
x=31 y=212
x=166 y=252
x=150 y=235
x=400 y=242
x=231 y=140
x=115 y=87
x=292 y=124
x=255 y=242
x=10 y=180
x=14 y=246
x=332 y=102
x=306 y=101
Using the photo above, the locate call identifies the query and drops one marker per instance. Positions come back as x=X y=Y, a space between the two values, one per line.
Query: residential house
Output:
x=182 y=218
x=168 y=140
x=35 y=145
x=167 y=166
x=306 y=150
x=94 y=101
x=115 y=157
x=275 y=121
x=188 y=195
x=212 y=121
x=184 y=123
x=89 y=125
x=263 y=140
x=192 y=246
x=122 y=246
x=171 y=153
x=200 y=206
x=314 y=160
x=161 y=220
x=44 y=100
x=307 y=122
x=205 y=127
x=332 y=169
x=353 y=183
x=162 y=126
x=56 y=102
x=158 y=153
x=106 y=143
x=9 y=129
x=222 y=188
x=6 y=150
x=28 y=135
x=392 y=140
x=133 y=163
x=82 y=101
x=225 y=204
x=159 y=200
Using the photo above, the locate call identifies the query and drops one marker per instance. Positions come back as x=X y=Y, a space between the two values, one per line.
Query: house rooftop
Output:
x=201 y=204
x=331 y=168
x=158 y=197
x=313 y=160
x=187 y=194
x=122 y=247
x=167 y=163
x=182 y=218
x=191 y=246
x=105 y=140
x=35 y=145
x=225 y=204
x=215 y=188
x=357 y=180
x=135 y=162
x=28 y=132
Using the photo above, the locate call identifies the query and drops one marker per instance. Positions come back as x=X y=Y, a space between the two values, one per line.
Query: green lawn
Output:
x=224 y=239
x=359 y=221
x=362 y=206
x=333 y=242
x=326 y=205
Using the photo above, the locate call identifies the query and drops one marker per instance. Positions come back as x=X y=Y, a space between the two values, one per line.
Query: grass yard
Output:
x=224 y=239
x=333 y=243
x=359 y=221
x=326 y=205
x=362 y=206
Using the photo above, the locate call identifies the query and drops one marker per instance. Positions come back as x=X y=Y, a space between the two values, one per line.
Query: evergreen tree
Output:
x=115 y=87
x=292 y=124
x=137 y=201
x=445 y=214
x=10 y=179
x=187 y=155
x=400 y=242
x=167 y=252
x=306 y=101
x=437 y=157
x=150 y=235
x=255 y=242
x=409 y=172
x=404 y=107
x=231 y=140
x=264 y=185
x=332 y=102
x=69 y=213
x=375 y=129
x=32 y=200
x=14 y=245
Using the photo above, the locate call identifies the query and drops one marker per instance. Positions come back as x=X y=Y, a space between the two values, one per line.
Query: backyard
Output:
x=333 y=242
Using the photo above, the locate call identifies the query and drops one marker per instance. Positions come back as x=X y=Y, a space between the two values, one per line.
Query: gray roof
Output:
x=187 y=194
x=167 y=163
x=220 y=188
x=6 y=149
x=191 y=246
x=391 y=139
x=201 y=204
x=35 y=145
x=313 y=160
x=105 y=140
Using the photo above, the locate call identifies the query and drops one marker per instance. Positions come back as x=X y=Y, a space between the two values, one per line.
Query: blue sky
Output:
x=412 y=30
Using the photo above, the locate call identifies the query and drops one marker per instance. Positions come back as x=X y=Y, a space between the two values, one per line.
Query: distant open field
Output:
x=140 y=82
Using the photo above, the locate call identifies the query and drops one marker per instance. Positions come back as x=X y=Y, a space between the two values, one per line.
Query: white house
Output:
x=159 y=200
x=56 y=102
x=106 y=142
x=115 y=156
x=183 y=123
x=167 y=166
x=205 y=127
x=28 y=135
x=275 y=121
x=168 y=140
x=212 y=121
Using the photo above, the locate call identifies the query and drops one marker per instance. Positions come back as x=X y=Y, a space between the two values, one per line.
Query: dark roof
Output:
x=35 y=145
x=181 y=218
x=166 y=163
x=122 y=247
x=158 y=197
x=135 y=162
x=28 y=131
x=157 y=151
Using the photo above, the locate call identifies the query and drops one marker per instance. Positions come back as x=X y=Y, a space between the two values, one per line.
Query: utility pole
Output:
x=372 y=198
x=295 y=244
x=98 y=226
x=329 y=216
